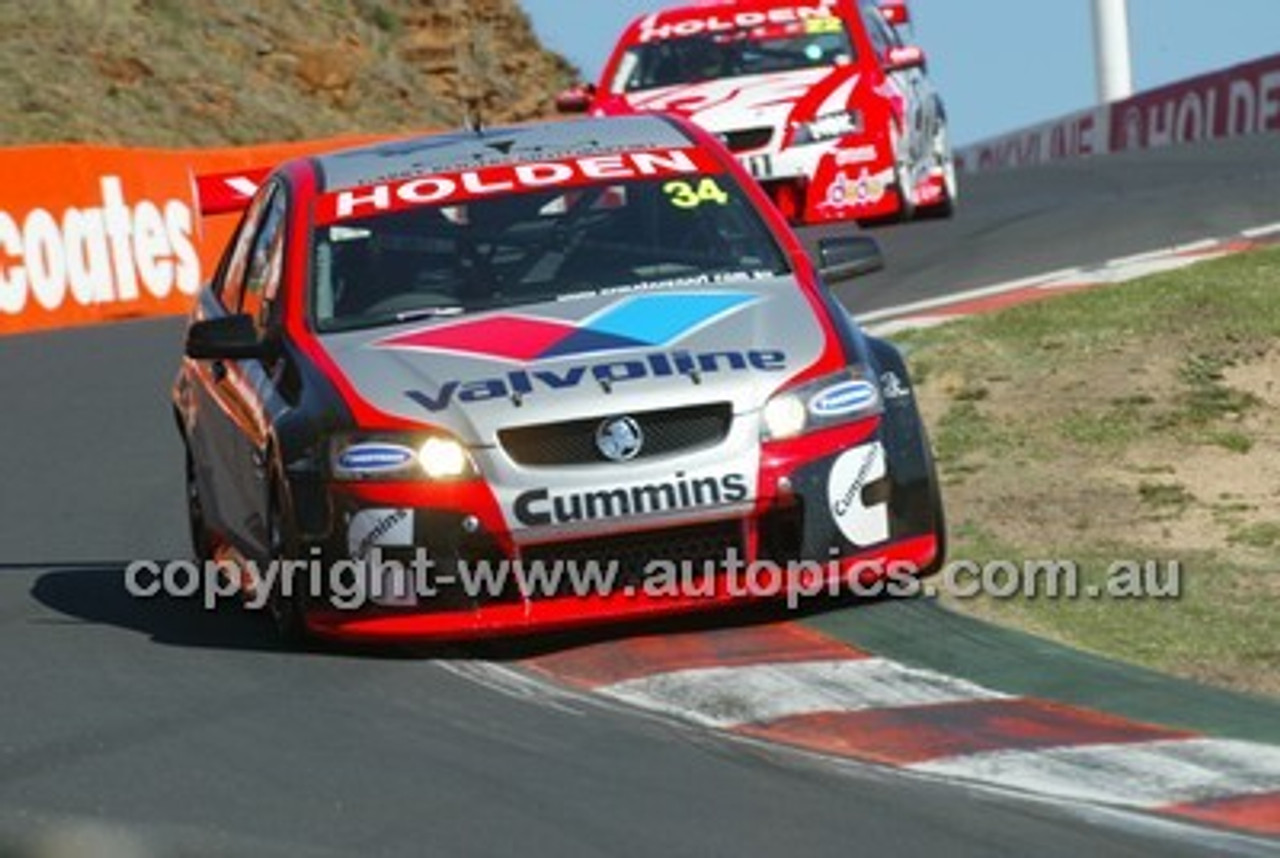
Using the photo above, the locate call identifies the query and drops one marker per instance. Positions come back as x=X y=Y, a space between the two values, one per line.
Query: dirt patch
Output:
x=1089 y=428
x=1180 y=493
x=172 y=73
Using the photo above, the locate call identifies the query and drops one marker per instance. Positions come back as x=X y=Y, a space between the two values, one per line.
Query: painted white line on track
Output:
x=1197 y=246
x=1202 y=246
x=1146 y=774
x=1136 y=270
x=1113 y=271
x=1262 y=231
x=727 y=697
x=914 y=323
x=515 y=684
x=963 y=297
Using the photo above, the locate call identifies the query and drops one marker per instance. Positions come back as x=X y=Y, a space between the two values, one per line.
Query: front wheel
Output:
x=288 y=598
x=202 y=539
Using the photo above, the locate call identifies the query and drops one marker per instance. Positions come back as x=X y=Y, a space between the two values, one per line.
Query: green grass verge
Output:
x=1131 y=422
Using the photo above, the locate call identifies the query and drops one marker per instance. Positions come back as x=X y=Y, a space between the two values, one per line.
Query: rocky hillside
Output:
x=216 y=72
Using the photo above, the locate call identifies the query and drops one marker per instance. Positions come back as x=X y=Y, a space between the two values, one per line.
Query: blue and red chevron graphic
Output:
x=640 y=321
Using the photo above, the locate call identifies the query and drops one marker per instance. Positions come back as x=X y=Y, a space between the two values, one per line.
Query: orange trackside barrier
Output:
x=95 y=234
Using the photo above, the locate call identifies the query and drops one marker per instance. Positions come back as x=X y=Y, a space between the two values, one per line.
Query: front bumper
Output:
x=577 y=612
x=874 y=528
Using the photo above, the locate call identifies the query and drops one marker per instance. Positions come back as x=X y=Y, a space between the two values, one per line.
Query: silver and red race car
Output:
x=821 y=100
x=592 y=342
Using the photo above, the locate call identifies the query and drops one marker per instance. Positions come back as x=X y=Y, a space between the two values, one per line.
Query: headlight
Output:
x=827 y=127
x=785 y=416
x=399 y=457
x=830 y=401
x=443 y=459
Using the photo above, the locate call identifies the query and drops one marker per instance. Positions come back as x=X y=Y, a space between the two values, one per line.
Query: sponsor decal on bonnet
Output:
x=638 y=321
x=521 y=383
x=638 y=324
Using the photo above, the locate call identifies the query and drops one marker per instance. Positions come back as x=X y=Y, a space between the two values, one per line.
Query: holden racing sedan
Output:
x=589 y=341
x=821 y=100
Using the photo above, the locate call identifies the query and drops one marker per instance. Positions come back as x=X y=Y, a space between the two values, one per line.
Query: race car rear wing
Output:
x=225 y=193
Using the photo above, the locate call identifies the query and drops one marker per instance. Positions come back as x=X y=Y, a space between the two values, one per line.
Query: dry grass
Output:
x=1134 y=422
x=176 y=73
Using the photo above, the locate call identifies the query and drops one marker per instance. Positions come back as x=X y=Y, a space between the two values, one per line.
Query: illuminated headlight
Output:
x=830 y=401
x=827 y=127
x=785 y=416
x=444 y=459
x=395 y=457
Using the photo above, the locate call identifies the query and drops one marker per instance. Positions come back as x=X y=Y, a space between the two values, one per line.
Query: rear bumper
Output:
x=851 y=178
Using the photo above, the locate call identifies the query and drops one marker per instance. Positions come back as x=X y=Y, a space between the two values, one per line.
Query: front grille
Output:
x=703 y=546
x=747 y=139
x=672 y=430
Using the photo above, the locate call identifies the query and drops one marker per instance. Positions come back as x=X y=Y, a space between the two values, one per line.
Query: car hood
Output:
x=751 y=101
x=589 y=357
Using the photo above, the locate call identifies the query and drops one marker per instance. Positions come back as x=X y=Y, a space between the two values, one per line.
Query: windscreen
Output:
x=472 y=253
x=766 y=49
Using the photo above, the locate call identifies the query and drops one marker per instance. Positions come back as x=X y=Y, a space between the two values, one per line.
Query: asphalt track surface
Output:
x=1021 y=223
x=196 y=733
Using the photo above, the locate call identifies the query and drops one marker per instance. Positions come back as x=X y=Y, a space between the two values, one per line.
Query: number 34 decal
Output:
x=686 y=195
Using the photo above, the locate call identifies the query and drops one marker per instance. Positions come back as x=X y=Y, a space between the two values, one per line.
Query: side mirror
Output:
x=905 y=57
x=895 y=12
x=847 y=257
x=228 y=338
x=576 y=99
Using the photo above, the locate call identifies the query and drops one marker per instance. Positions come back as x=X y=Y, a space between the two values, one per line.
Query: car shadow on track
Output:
x=96 y=594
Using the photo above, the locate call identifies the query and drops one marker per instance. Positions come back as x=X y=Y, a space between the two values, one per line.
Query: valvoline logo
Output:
x=636 y=322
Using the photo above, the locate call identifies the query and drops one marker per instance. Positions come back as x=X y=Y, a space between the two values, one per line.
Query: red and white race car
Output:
x=520 y=380
x=821 y=100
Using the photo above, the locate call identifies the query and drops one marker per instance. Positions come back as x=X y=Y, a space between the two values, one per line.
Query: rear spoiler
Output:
x=224 y=193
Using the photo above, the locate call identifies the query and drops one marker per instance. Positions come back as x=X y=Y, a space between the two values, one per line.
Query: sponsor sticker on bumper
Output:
x=379 y=528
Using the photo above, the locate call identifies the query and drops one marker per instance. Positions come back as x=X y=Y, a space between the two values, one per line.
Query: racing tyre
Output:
x=946 y=162
x=939 y=509
x=287 y=602
x=202 y=539
x=901 y=170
